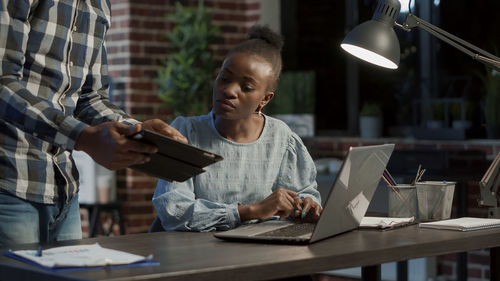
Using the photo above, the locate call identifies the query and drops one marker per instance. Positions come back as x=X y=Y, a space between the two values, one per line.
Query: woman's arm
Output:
x=178 y=209
x=298 y=173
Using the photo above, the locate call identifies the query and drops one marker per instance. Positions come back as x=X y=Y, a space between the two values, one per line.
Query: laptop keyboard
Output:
x=293 y=230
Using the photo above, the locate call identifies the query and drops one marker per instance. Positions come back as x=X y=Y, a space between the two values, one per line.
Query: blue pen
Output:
x=39 y=252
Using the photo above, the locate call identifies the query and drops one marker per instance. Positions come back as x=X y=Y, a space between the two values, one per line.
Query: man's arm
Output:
x=18 y=106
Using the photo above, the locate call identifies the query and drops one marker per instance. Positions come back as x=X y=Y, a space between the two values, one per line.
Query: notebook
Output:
x=462 y=224
x=174 y=161
x=344 y=208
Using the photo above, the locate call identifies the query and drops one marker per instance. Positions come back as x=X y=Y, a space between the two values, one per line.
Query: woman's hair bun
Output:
x=266 y=34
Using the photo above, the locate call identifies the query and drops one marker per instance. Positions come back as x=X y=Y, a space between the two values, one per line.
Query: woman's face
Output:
x=241 y=86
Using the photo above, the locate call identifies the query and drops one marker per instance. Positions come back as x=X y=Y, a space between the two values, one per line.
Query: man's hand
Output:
x=108 y=144
x=158 y=126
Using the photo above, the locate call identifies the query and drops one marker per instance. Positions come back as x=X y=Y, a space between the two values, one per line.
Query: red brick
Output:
x=160 y=25
x=487 y=149
x=142 y=85
x=426 y=147
x=474 y=273
x=479 y=259
x=446 y=269
x=139 y=36
x=151 y=50
x=113 y=37
x=119 y=12
x=156 y=12
x=449 y=257
x=142 y=184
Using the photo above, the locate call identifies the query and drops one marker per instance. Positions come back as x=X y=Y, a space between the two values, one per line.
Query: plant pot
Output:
x=461 y=124
x=370 y=126
x=435 y=124
x=301 y=124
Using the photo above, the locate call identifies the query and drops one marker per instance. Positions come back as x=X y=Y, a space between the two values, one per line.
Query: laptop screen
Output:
x=352 y=190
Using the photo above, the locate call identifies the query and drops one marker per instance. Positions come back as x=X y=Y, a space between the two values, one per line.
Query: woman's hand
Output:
x=310 y=210
x=160 y=127
x=281 y=202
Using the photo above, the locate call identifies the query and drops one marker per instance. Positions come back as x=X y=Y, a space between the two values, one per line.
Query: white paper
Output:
x=80 y=256
x=384 y=222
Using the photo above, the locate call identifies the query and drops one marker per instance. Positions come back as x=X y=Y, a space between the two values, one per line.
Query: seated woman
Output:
x=266 y=170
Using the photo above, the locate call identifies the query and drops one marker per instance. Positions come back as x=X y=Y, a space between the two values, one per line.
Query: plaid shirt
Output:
x=53 y=83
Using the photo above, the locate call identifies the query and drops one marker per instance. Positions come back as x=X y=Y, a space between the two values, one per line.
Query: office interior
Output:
x=432 y=107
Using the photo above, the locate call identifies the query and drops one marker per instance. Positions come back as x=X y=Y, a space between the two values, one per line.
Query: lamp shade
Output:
x=375 y=41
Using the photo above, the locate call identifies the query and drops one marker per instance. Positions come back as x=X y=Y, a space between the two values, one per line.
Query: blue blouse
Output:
x=248 y=174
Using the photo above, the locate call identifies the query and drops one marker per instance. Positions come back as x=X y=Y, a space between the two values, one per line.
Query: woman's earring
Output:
x=259 y=110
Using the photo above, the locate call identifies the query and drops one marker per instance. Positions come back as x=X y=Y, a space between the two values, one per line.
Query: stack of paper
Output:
x=463 y=224
x=384 y=222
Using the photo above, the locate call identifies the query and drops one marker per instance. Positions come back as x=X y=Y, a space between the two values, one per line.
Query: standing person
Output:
x=267 y=171
x=54 y=99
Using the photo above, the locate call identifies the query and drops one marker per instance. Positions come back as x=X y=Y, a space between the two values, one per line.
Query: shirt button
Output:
x=74 y=28
x=70 y=63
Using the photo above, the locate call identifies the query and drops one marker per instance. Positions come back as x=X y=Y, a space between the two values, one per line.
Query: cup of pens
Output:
x=435 y=199
x=402 y=201
x=402 y=198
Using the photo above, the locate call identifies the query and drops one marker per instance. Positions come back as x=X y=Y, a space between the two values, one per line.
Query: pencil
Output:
x=393 y=188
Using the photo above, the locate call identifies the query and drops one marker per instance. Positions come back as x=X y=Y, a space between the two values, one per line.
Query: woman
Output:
x=266 y=170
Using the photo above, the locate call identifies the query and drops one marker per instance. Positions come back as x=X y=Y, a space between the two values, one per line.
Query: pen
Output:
x=39 y=252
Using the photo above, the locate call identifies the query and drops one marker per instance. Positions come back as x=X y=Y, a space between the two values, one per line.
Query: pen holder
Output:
x=435 y=199
x=403 y=201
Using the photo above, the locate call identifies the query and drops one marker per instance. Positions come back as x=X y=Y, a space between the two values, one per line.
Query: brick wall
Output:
x=136 y=45
x=478 y=267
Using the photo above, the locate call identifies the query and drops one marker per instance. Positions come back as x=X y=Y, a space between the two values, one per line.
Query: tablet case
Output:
x=174 y=161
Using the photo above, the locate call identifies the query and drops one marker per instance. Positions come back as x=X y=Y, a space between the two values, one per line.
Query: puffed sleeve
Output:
x=179 y=209
x=298 y=172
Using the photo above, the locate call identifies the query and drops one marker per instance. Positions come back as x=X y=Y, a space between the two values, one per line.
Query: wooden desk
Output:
x=200 y=256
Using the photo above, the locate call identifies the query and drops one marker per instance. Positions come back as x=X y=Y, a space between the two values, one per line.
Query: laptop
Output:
x=344 y=208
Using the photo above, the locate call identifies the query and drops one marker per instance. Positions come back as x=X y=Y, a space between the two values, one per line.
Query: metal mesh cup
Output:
x=403 y=201
x=435 y=199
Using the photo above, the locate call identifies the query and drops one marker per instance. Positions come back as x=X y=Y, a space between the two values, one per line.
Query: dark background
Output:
x=313 y=32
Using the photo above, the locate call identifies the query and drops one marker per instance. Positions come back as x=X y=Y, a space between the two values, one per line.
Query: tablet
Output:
x=174 y=161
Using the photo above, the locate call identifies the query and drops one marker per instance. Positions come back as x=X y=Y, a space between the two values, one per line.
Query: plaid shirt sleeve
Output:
x=93 y=105
x=53 y=72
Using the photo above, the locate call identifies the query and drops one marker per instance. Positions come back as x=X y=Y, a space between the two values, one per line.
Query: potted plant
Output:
x=186 y=76
x=294 y=101
x=370 y=120
x=437 y=116
x=461 y=115
x=491 y=103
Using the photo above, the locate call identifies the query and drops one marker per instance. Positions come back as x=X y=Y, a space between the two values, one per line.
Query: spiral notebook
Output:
x=463 y=224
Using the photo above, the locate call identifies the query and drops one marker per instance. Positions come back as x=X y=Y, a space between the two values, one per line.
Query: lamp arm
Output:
x=462 y=45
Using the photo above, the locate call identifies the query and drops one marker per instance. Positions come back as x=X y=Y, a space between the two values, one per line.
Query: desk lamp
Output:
x=376 y=42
